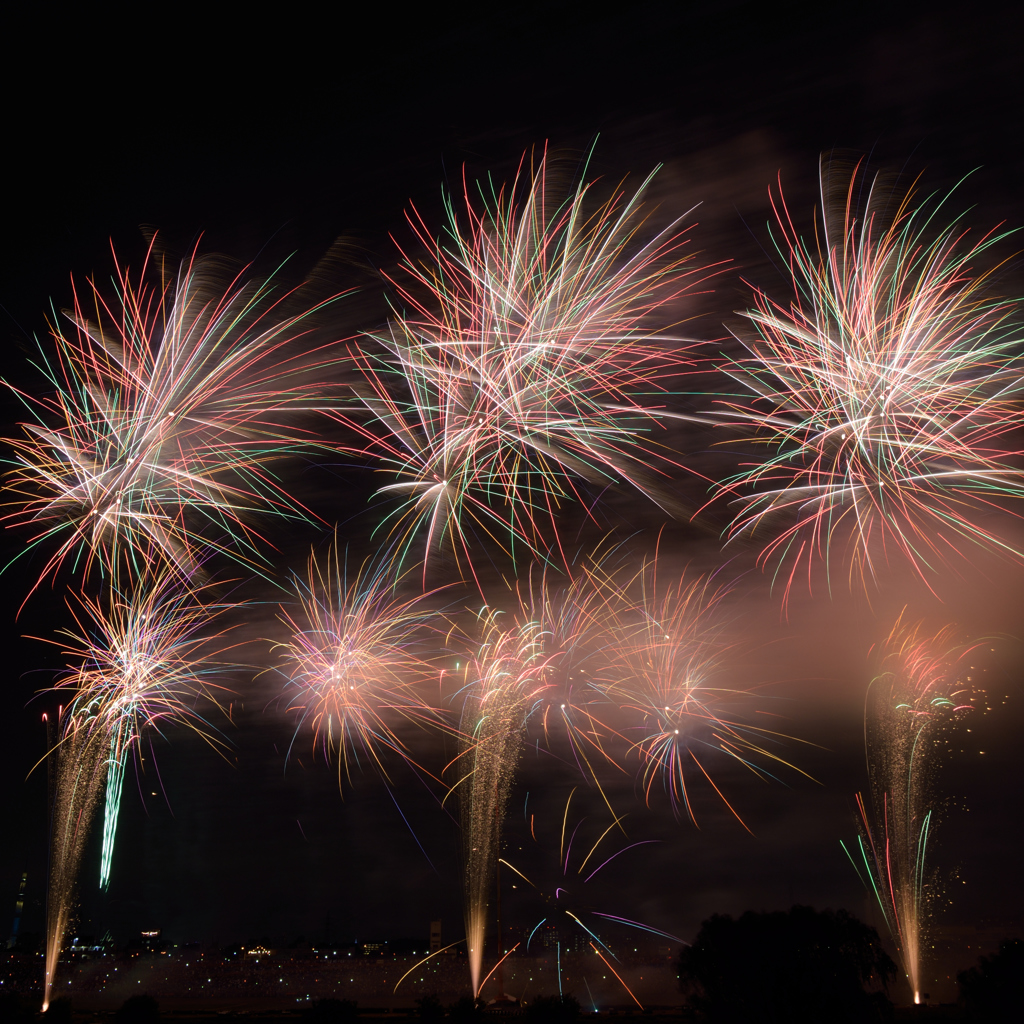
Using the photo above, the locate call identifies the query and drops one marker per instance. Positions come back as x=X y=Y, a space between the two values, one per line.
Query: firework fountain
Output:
x=538 y=672
x=141 y=661
x=920 y=690
x=81 y=768
x=500 y=681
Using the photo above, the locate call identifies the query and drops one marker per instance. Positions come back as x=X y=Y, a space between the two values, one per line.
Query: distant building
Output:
x=552 y=938
x=435 y=936
x=19 y=905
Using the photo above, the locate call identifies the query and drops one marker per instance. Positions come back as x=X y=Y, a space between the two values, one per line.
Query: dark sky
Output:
x=278 y=133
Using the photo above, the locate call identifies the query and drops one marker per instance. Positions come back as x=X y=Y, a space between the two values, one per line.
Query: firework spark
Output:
x=919 y=690
x=169 y=399
x=884 y=391
x=527 y=368
x=580 y=859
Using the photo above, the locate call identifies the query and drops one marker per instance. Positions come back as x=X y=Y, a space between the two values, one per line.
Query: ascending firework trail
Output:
x=500 y=679
x=922 y=687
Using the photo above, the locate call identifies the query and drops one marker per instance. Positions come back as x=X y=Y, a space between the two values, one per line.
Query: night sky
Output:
x=273 y=135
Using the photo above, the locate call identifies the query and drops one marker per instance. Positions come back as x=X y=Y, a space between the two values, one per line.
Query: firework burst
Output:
x=355 y=662
x=529 y=346
x=573 y=626
x=671 y=645
x=884 y=391
x=169 y=399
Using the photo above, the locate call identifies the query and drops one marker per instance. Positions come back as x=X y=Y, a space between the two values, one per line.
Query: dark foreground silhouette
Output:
x=800 y=966
x=141 y=1009
x=563 y=1009
x=991 y=992
x=331 y=1011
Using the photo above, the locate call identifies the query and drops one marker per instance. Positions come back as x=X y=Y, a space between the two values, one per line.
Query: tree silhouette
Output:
x=140 y=1009
x=465 y=1011
x=564 y=1009
x=15 y=1010
x=991 y=991
x=332 y=1011
x=430 y=1008
x=800 y=966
